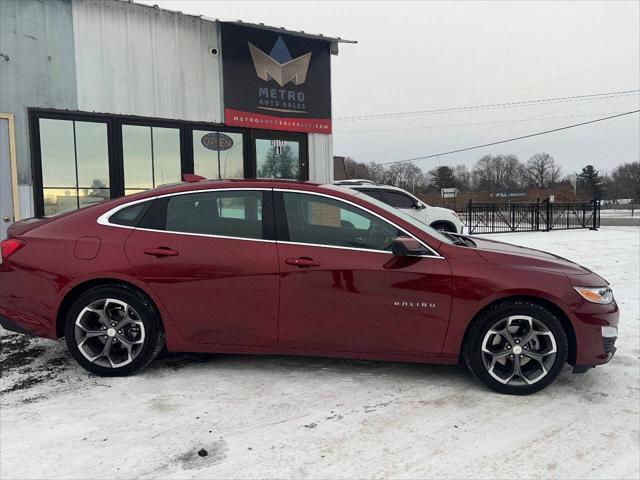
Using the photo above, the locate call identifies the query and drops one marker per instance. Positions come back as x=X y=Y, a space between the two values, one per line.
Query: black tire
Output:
x=444 y=226
x=476 y=361
x=148 y=348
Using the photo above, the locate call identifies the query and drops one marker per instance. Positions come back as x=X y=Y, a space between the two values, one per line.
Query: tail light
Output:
x=9 y=247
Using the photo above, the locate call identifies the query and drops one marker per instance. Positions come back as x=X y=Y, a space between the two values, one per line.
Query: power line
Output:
x=486 y=129
x=522 y=103
x=468 y=124
x=512 y=139
x=562 y=77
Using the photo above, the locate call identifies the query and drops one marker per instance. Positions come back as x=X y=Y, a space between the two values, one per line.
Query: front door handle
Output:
x=302 y=262
x=161 y=252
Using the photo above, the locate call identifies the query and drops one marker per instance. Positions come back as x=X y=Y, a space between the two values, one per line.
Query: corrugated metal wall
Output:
x=137 y=60
x=38 y=38
x=320 y=157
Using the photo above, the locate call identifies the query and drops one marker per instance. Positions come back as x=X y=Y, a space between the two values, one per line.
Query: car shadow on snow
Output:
x=304 y=365
x=34 y=368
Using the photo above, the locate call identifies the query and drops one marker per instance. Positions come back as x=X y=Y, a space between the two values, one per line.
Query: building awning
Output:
x=334 y=41
x=298 y=33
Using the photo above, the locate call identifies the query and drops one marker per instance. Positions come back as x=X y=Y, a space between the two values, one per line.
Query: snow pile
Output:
x=206 y=416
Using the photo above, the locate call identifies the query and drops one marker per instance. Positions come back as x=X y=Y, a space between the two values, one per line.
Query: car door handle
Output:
x=302 y=262
x=161 y=252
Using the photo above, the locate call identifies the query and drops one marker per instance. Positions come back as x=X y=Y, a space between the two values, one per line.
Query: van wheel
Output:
x=113 y=331
x=516 y=347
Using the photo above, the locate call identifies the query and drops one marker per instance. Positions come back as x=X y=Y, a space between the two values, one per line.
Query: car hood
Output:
x=507 y=254
x=440 y=210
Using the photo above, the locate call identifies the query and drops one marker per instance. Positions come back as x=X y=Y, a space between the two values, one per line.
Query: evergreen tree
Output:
x=443 y=177
x=590 y=183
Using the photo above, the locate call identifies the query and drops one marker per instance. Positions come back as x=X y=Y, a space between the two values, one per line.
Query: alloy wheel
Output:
x=519 y=350
x=109 y=333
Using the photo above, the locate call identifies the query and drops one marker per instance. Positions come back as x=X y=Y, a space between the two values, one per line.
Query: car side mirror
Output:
x=418 y=206
x=407 y=247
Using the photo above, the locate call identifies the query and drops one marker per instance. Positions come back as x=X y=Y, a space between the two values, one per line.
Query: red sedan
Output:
x=278 y=267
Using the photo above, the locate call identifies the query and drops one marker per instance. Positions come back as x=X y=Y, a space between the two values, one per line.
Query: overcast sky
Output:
x=428 y=55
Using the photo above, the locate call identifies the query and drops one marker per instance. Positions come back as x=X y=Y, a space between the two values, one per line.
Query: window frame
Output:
x=115 y=145
x=36 y=151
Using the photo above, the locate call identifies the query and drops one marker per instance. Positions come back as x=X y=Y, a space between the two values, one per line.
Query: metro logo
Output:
x=279 y=66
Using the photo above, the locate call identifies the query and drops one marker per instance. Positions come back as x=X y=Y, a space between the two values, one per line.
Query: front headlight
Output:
x=601 y=295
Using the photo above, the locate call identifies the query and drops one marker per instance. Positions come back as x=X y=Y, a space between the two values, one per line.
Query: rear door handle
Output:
x=302 y=262
x=161 y=252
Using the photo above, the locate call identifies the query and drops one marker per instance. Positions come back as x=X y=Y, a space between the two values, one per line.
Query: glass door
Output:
x=281 y=156
x=218 y=154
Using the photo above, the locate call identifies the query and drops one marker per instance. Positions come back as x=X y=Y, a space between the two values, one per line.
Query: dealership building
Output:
x=104 y=98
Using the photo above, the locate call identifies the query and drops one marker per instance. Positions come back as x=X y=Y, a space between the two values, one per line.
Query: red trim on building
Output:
x=238 y=118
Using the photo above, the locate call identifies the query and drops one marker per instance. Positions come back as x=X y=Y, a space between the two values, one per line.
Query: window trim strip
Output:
x=104 y=219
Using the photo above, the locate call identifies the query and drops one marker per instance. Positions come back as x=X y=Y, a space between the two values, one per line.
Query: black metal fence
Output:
x=531 y=216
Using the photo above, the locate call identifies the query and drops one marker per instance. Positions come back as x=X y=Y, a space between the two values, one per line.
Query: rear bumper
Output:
x=7 y=324
x=26 y=301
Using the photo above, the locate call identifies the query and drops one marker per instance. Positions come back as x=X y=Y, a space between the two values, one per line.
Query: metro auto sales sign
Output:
x=275 y=81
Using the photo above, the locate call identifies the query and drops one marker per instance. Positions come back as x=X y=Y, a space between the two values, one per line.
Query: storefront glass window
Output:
x=151 y=157
x=75 y=164
x=166 y=155
x=277 y=159
x=218 y=154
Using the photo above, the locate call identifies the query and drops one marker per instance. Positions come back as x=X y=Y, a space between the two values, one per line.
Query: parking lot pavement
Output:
x=204 y=416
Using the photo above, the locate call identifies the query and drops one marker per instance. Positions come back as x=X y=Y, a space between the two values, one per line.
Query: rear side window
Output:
x=130 y=216
x=398 y=200
x=228 y=213
x=377 y=194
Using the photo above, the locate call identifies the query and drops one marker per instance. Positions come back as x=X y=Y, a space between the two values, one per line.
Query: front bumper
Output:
x=596 y=334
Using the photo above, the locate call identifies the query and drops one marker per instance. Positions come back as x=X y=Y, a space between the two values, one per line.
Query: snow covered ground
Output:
x=291 y=417
x=619 y=213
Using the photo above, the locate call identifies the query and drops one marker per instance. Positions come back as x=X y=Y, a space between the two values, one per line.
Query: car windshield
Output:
x=407 y=218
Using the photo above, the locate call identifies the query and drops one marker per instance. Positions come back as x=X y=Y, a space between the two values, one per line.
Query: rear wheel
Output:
x=516 y=347
x=113 y=331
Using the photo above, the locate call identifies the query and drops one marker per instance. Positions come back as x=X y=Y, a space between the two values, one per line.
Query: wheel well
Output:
x=78 y=290
x=446 y=224
x=552 y=307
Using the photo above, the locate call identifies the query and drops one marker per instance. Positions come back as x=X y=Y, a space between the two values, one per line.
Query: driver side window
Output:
x=324 y=221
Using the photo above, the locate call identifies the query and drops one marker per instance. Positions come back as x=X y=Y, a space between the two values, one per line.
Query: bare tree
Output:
x=463 y=177
x=542 y=171
x=625 y=182
x=405 y=175
x=376 y=172
x=495 y=172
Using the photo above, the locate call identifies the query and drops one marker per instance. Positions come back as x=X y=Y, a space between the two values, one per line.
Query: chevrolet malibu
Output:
x=275 y=267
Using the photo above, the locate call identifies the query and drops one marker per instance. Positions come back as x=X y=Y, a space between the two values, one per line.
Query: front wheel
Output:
x=516 y=347
x=113 y=331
